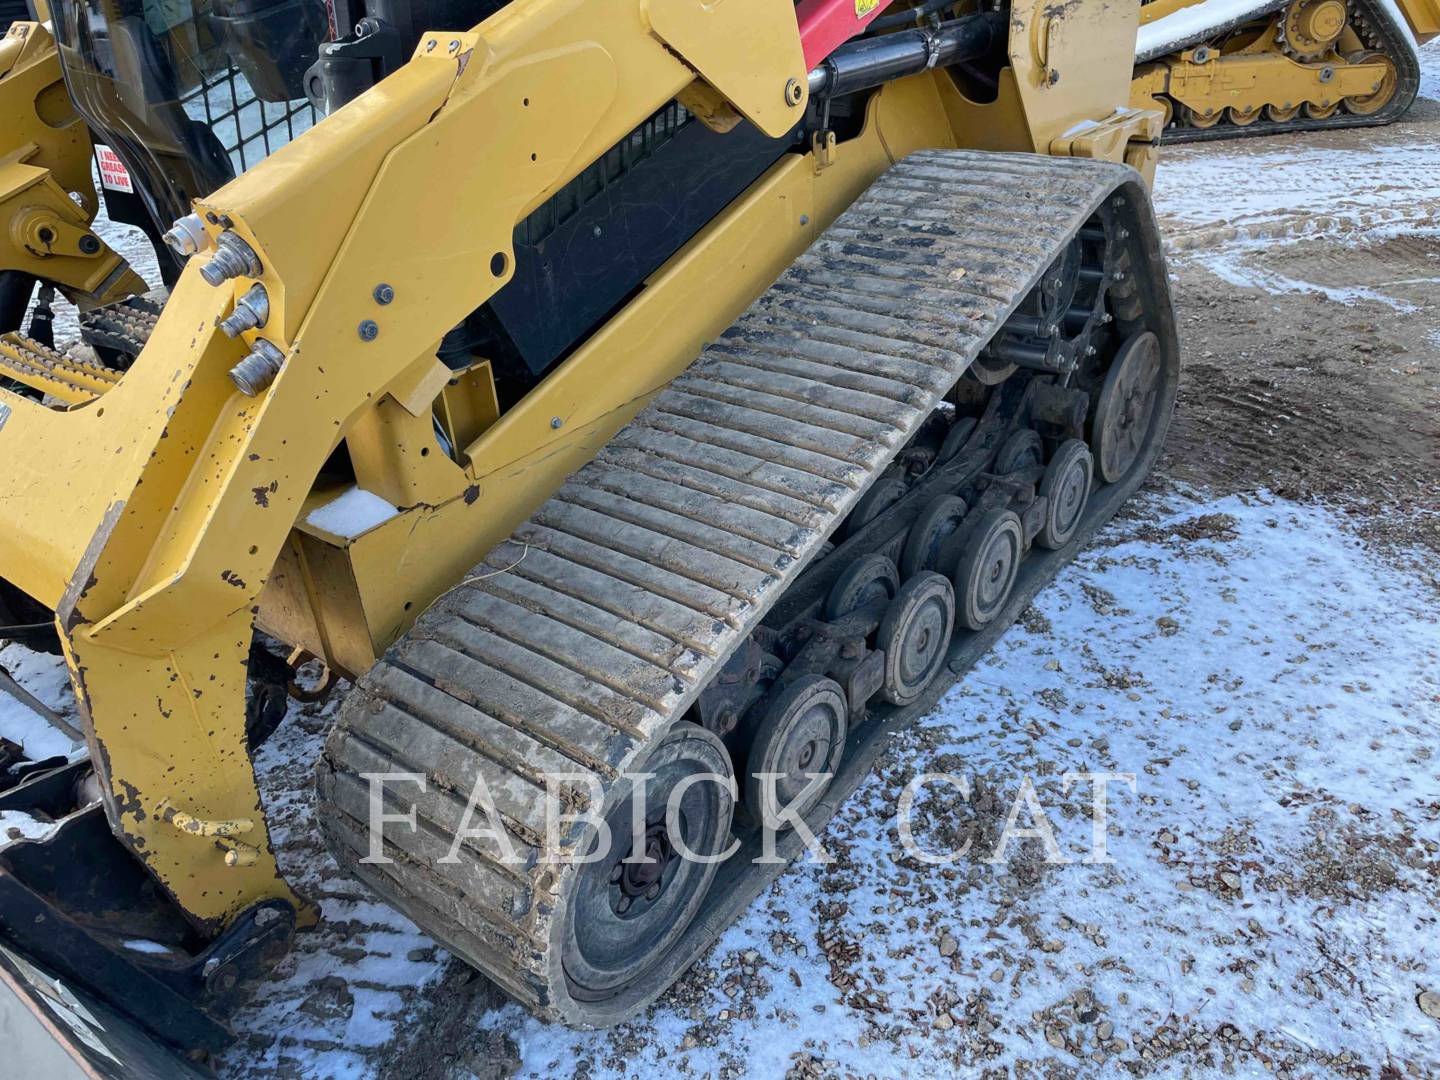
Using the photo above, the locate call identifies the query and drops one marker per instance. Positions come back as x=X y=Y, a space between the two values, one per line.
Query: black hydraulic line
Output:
x=866 y=62
x=909 y=17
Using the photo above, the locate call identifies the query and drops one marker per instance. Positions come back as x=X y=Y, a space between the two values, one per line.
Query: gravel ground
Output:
x=1253 y=640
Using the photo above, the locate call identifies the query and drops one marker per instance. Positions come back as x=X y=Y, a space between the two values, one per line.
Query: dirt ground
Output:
x=1310 y=394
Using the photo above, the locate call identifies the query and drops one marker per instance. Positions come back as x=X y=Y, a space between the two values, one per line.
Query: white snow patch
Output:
x=1191 y=23
x=45 y=677
x=144 y=945
x=1078 y=127
x=1272 y=684
x=18 y=825
x=352 y=513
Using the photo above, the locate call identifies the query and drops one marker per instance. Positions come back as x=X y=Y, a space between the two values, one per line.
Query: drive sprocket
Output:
x=1309 y=29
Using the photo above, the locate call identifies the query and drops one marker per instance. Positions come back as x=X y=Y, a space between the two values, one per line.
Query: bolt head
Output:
x=556 y=423
x=369 y=330
x=794 y=92
x=89 y=244
x=383 y=294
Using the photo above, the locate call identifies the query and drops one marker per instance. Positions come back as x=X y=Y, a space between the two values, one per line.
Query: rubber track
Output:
x=575 y=645
x=1378 y=29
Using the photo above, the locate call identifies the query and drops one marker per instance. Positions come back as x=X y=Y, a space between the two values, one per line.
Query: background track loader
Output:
x=1223 y=68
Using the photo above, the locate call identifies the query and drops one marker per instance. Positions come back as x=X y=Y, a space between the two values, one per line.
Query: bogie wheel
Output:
x=1065 y=486
x=915 y=636
x=1126 y=406
x=1321 y=112
x=629 y=908
x=1365 y=104
x=868 y=578
x=988 y=564
x=798 y=745
x=928 y=545
x=889 y=489
x=1021 y=450
x=1281 y=115
x=1243 y=117
x=1196 y=119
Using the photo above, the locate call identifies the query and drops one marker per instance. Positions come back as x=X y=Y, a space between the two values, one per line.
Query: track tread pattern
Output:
x=581 y=639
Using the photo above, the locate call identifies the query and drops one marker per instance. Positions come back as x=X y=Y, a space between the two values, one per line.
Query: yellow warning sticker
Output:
x=864 y=7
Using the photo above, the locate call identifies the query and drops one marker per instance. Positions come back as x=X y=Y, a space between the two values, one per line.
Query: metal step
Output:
x=578 y=642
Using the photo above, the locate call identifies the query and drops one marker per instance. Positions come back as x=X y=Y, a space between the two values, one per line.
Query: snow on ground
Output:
x=1273 y=895
x=1223 y=205
x=1273 y=901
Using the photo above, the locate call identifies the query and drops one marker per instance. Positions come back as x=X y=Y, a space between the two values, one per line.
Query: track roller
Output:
x=930 y=542
x=798 y=743
x=988 y=564
x=915 y=635
x=869 y=578
x=1065 y=488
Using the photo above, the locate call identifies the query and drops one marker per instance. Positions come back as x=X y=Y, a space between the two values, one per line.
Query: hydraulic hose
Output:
x=866 y=62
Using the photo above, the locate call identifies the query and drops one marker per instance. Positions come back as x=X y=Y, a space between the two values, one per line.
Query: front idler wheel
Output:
x=1125 y=411
x=629 y=908
x=988 y=564
x=1065 y=487
x=799 y=743
x=915 y=636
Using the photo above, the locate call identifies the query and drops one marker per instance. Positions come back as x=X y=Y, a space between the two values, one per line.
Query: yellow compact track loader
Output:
x=607 y=389
x=1223 y=68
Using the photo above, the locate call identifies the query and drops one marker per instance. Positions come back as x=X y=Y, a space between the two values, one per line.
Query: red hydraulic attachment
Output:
x=827 y=24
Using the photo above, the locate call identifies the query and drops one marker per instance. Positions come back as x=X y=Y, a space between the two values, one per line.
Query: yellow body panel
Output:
x=163 y=519
x=1423 y=17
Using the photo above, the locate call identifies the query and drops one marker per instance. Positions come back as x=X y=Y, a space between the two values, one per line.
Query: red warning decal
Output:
x=113 y=173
